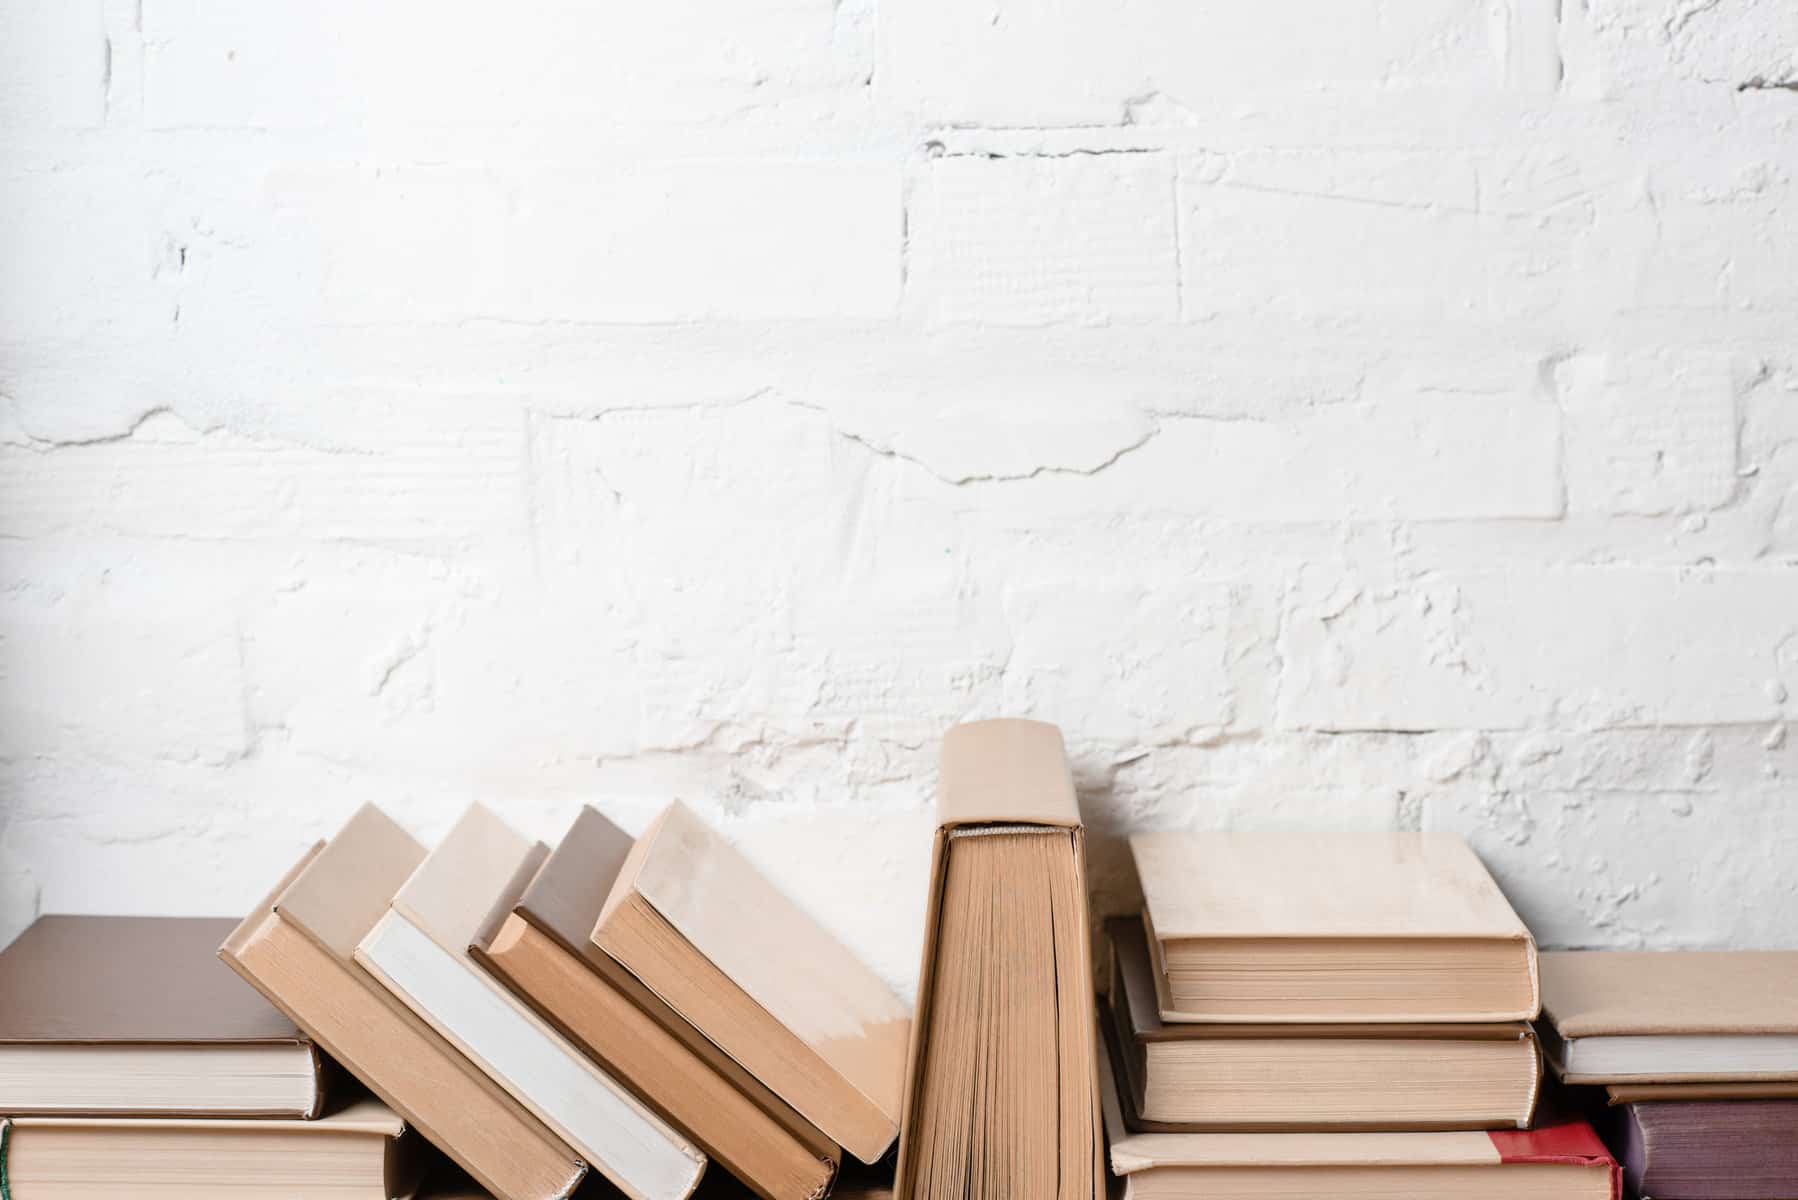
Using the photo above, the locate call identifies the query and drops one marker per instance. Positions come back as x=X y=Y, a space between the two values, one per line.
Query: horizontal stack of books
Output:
x=1289 y=1015
x=1359 y=1028
x=1697 y=1056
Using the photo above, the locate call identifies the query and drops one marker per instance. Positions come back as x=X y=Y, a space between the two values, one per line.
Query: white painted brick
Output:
x=1029 y=241
x=54 y=64
x=1593 y=868
x=1651 y=434
x=432 y=484
x=1007 y=63
x=113 y=660
x=1726 y=242
x=332 y=63
x=634 y=245
x=1583 y=647
x=85 y=248
x=1648 y=44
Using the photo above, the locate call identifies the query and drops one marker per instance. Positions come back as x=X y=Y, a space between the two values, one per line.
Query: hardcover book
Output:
x=297 y=947
x=136 y=1016
x=1561 y=1160
x=1192 y=1077
x=1711 y=1150
x=419 y=951
x=1320 y=928
x=698 y=925
x=1671 y=1016
x=356 y=1153
x=1001 y=1090
x=536 y=942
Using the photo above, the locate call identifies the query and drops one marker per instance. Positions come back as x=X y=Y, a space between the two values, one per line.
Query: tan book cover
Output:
x=420 y=951
x=692 y=919
x=1408 y=927
x=1001 y=1078
x=537 y=943
x=145 y=998
x=296 y=948
x=357 y=1152
x=1279 y=1077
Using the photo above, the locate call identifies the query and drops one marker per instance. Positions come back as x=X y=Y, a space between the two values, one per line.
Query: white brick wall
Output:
x=1345 y=416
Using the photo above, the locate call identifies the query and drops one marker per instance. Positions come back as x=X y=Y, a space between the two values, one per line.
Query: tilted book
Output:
x=297 y=948
x=536 y=942
x=698 y=925
x=1001 y=1089
x=1561 y=1160
x=136 y=1016
x=1319 y=928
x=419 y=951
x=358 y=1152
x=1671 y=1016
x=1205 y=1076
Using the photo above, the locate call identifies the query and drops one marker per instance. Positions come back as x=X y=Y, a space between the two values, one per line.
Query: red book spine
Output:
x=1558 y=1142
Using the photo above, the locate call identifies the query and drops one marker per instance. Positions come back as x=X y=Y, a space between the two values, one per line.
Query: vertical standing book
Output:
x=103 y=1016
x=536 y=942
x=1001 y=1090
x=297 y=949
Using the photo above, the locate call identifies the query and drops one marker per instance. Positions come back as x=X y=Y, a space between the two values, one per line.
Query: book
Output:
x=419 y=951
x=1710 y=1149
x=1670 y=1016
x=1190 y=1077
x=1635 y=1093
x=296 y=948
x=1559 y=1160
x=1318 y=928
x=692 y=919
x=136 y=1016
x=357 y=1153
x=536 y=942
x=1001 y=1087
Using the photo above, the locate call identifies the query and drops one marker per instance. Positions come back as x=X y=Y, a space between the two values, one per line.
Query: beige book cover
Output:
x=420 y=951
x=1614 y=993
x=1412 y=922
x=761 y=978
x=297 y=948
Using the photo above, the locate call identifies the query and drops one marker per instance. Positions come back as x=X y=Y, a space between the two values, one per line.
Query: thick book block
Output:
x=1671 y=1016
x=1711 y=1150
x=356 y=1153
x=1260 y=1078
x=1001 y=1087
x=705 y=931
x=536 y=942
x=420 y=951
x=1319 y=928
x=136 y=1016
x=297 y=947
x=1562 y=1160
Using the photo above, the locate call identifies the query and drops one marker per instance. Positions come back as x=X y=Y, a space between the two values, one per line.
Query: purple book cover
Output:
x=1711 y=1150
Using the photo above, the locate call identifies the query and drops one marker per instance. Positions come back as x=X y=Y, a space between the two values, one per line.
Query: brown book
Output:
x=1195 y=1077
x=360 y=1152
x=1679 y=1093
x=1671 y=1016
x=692 y=919
x=1001 y=1088
x=1319 y=928
x=536 y=942
x=296 y=948
x=136 y=1016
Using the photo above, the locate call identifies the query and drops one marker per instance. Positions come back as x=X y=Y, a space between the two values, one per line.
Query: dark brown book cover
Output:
x=1711 y=1149
x=98 y=980
x=130 y=979
x=563 y=901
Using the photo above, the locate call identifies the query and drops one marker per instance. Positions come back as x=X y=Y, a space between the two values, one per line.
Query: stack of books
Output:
x=132 y=1063
x=1311 y=1014
x=1697 y=1053
x=633 y=1007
